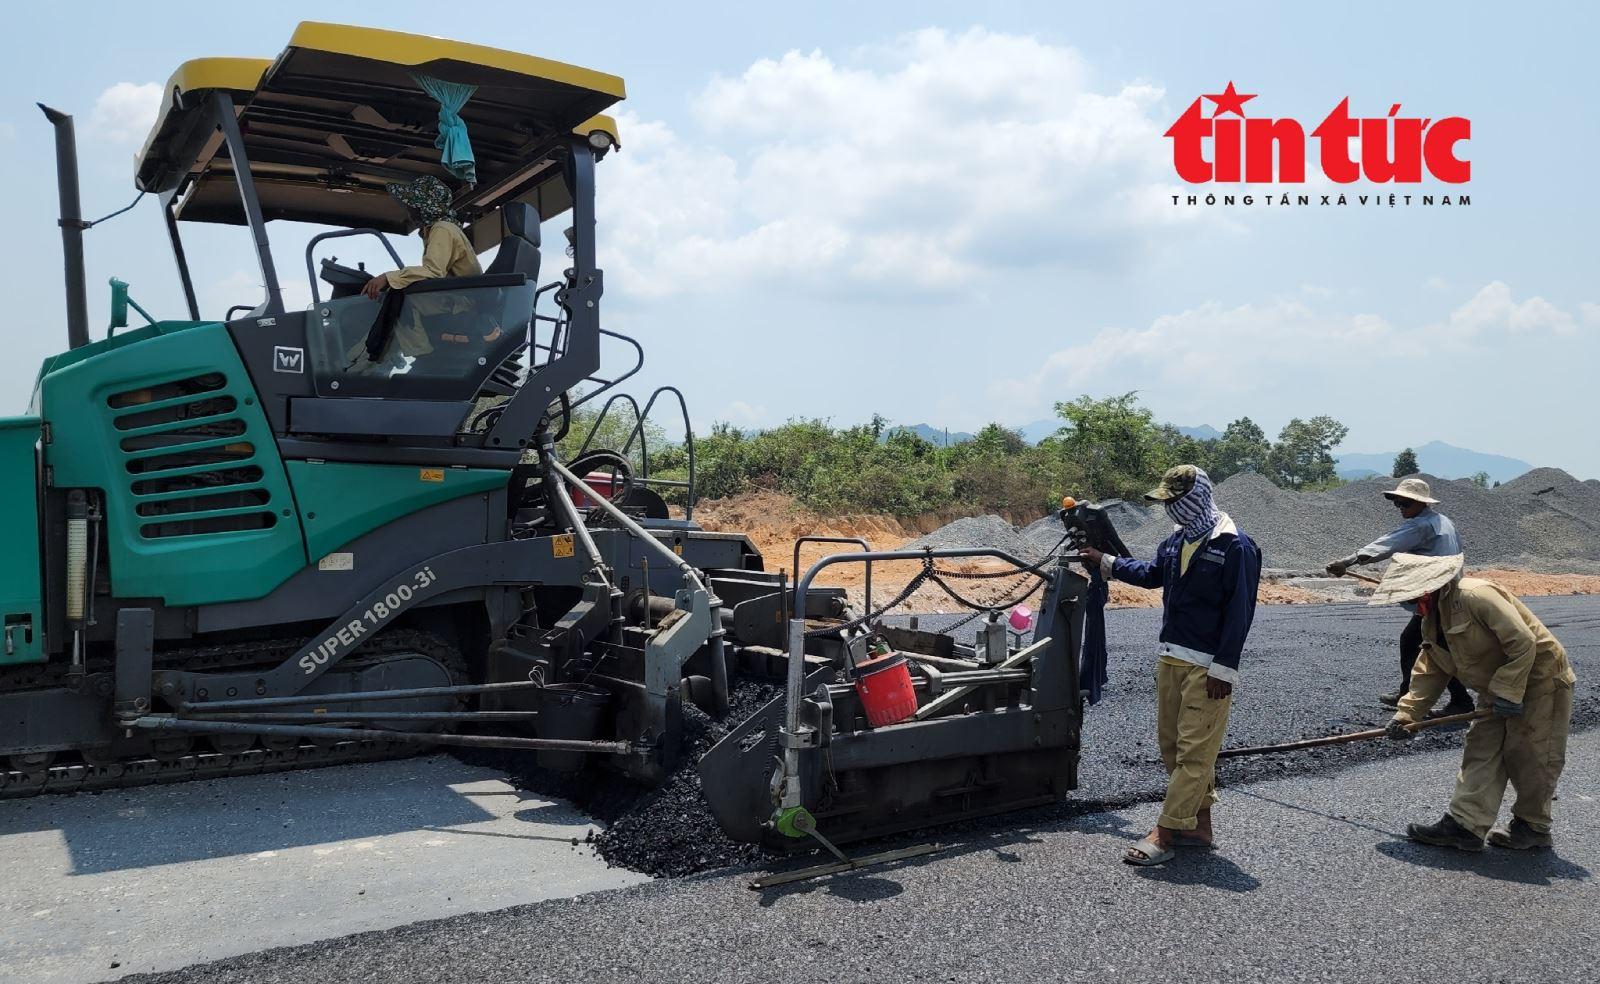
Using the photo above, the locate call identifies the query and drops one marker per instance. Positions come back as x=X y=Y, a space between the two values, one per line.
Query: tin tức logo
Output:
x=1227 y=146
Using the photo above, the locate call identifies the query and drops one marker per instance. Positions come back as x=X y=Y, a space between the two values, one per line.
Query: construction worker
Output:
x=1208 y=571
x=1429 y=533
x=445 y=253
x=1482 y=634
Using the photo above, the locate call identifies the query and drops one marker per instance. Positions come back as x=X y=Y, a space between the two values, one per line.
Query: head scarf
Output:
x=426 y=197
x=1194 y=510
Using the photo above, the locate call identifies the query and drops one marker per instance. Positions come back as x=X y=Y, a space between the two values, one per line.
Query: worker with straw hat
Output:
x=1426 y=531
x=1481 y=634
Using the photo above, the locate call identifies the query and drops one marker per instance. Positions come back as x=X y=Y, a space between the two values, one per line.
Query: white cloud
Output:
x=744 y=414
x=916 y=166
x=1232 y=354
x=1493 y=308
x=125 y=112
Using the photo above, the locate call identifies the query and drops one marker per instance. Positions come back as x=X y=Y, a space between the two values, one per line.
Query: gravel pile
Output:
x=1545 y=520
x=979 y=531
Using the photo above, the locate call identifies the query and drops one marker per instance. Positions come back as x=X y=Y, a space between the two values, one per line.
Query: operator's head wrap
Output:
x=1185 y=493
x=426 y=198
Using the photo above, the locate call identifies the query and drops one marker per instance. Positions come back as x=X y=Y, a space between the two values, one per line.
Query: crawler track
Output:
x=71 y=771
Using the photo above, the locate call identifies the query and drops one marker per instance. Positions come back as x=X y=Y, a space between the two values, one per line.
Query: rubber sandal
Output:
x=1190 y=840
x=1147 y=854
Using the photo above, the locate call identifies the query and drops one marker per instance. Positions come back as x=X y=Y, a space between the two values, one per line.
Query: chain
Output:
x=1037 y=568
x=910 y=589
x=979 y=611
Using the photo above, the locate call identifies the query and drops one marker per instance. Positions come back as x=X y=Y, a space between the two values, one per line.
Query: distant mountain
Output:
x=934 y=435
x=1205 y=432
x=1435 y=458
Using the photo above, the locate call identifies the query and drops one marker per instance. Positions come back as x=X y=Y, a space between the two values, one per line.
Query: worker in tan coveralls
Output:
x=446 y=252
x=1481 y=634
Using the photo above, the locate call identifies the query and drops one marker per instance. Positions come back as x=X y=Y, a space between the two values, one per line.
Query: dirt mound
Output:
x=1529 y=584
x=773 y=521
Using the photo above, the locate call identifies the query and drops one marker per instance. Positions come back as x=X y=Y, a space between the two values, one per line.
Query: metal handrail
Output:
x=865 y=546
x=641 y=435
x=311 y=271
x=533 y=342
x=688 y=441
x=605 y=408
x=606 y=384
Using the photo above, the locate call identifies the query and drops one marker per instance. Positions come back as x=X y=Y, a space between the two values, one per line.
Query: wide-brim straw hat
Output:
x=1412 y=488
x=1410 y=576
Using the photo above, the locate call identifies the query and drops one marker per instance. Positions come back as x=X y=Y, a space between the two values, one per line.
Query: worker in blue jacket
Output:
x=1208 y=571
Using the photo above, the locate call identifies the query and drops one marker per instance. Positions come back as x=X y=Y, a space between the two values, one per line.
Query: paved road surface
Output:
x=169 y=876
x=1313 y=883
x=97 y=886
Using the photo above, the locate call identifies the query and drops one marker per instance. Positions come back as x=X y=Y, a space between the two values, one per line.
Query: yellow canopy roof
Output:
x=337 y=115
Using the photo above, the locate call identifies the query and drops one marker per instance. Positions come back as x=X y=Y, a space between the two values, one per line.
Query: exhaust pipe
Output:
x=72 y=226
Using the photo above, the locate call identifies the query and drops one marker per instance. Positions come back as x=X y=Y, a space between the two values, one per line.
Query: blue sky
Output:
x=955 y=214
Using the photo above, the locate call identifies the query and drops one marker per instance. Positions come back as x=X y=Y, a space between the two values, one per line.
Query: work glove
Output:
x=1338 y=567
x=1506 y=709
x=1396 y=731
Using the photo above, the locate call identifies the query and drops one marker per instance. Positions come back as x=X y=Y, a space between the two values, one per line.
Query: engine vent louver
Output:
x=192 y=469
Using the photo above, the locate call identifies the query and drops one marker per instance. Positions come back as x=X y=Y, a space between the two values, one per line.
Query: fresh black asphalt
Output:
x=1313 y=880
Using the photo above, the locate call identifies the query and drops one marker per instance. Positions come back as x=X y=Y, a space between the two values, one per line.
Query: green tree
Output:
x=1405 y=463
x=1243 y=447
x=1481 y=480
x=1172 y=447
x=998 y=471
x=1303 y=454
x=1114 y=441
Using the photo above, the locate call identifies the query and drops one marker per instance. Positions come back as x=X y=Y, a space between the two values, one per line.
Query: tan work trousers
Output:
x=1528 y=751
x=1190 y=727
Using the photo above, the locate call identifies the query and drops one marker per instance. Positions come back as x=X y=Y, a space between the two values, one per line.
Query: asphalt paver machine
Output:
x=270 y=540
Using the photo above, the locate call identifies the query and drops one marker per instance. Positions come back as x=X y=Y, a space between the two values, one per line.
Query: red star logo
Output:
x=1229 y=100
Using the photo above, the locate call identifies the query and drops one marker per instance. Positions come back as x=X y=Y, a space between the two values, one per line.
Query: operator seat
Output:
x=518 y=253
x=519 y=250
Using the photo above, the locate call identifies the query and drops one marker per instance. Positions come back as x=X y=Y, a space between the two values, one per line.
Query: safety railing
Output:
x=639 y=434
x=311 y=270
x=863 y=544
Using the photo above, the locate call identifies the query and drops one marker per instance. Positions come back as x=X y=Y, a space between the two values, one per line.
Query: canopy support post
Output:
x=222 y=106
x=179 y=256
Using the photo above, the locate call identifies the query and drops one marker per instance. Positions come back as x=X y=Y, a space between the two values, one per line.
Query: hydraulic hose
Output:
x=611 y=460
